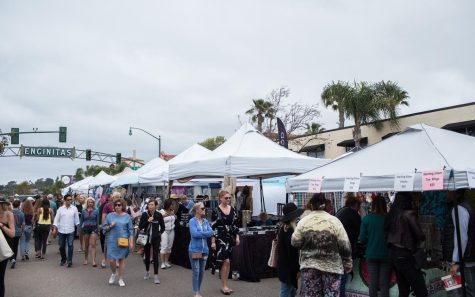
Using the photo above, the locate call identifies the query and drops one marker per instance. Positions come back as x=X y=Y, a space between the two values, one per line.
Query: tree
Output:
x=369 y=103
x=23 y=188
x=333 y=96
x=79 y=175
x=259 y=111
x=297 y=115
x=213 y=143
x=314 y=128
x=3 y=143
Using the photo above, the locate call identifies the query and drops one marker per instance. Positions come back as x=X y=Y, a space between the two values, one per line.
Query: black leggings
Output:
x=3 y=269
x=102 y=239
x=16 y=241
x=42 y=232
x=155 y=245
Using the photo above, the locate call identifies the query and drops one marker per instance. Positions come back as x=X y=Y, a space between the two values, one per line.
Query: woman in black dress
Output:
x=226 y=236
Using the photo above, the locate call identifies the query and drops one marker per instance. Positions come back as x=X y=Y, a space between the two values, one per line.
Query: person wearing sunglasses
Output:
x=151 y=222
x=226 y=236
x=200 y=231
x=65 y=221
x=119 y=232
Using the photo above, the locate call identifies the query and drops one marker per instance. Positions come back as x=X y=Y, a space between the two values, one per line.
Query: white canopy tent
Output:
x=159 y=174
x=246 y=154
x=417 y=149
x=81 y=186
x=102 y=178
x=132 y=177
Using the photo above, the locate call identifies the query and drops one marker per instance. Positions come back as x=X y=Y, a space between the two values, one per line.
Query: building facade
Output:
x=333 y=143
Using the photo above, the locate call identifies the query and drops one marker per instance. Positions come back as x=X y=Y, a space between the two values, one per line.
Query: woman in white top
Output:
x=168 y=236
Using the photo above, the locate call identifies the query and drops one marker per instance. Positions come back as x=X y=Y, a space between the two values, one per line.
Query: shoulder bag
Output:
x=122 y=242
x=272 y=262
x=5 y=250
x=142 y=237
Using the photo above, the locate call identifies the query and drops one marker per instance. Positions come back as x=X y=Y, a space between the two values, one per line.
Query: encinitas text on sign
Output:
x=40 y=151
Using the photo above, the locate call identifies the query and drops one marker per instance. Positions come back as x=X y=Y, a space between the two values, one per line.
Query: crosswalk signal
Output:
x=118 y=158
x=88 y=155
x=15 y=136
x=62 y=134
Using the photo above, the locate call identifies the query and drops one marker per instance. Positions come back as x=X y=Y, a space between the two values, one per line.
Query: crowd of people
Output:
x=114 y=221
x=315 y=249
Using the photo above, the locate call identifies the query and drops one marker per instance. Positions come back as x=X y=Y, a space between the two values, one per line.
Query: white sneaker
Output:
x=121 y=283
x=163 y=266
x=168 y=265
x=156 y=280
x=147 y=275
x=112 y=279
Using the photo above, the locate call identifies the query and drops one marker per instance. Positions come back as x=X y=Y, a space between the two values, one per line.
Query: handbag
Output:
x=5 y=250
x=122 y=242
x=142 y=238
x=272 y=262
x=196 y=256
x=420 y=258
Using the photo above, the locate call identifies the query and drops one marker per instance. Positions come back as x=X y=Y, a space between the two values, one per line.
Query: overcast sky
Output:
x=185 y=69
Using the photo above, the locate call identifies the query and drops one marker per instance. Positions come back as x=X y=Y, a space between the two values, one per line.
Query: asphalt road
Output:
x=47 y=279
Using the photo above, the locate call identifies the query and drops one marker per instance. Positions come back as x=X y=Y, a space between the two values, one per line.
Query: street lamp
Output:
x=157 y=138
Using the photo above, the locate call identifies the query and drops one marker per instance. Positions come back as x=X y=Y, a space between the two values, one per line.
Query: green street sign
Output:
x=46 y=151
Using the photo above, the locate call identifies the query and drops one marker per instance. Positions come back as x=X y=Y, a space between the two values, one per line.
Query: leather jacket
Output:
x=405 y=231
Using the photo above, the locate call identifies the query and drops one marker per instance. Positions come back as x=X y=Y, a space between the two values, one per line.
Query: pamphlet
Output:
x=452 y=282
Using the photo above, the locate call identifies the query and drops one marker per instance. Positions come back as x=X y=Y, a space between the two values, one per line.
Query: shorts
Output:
x=166 y=241
x=89 y=230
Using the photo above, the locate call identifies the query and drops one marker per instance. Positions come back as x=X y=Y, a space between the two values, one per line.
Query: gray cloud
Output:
x=186 y=69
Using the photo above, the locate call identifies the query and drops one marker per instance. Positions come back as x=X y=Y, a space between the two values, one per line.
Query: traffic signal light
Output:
x=118 y=158
x=15 y=136
x=88 y=155
x=62 y=134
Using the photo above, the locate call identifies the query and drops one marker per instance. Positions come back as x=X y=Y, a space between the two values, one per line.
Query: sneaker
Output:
x=27 y=257
x=13 y=263
x=147 y=275
x=70 y=265
x=156 y=280
x=121 y=283
x=62 y=263
x=168 y=265
x=163 y=266
x=112 y=279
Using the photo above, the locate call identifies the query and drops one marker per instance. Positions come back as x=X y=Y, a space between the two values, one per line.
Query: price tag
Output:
x=471 y=178
x=432 y=180
x=352 y=184
x=314 y=185
x=404 y=182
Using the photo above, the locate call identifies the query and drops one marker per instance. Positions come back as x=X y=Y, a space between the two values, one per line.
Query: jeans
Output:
x=197 y=271
x=63 y=240
x=25 y=241
x=408 y=277
x=469 y=281
x=344 y=278
x=378 y=271
x=287 y=290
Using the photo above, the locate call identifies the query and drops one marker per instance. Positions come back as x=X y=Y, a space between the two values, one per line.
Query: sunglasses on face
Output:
x=202 y=208
x=117 y=204
x=227 y=198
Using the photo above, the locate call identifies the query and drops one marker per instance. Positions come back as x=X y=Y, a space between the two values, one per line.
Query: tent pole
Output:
x=263 y=203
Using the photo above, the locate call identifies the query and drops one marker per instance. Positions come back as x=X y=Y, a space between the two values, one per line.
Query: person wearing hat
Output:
x=288 y=256
x=7 y=225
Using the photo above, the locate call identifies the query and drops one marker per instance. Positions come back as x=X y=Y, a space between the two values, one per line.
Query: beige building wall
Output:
x=436 y=118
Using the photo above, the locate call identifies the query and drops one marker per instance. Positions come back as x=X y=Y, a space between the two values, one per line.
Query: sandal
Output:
x=225 y=292
x=94 y=265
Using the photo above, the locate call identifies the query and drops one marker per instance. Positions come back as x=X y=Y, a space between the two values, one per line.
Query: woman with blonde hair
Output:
x=7 y=225
x=90 y=219
x=27 y=209
x=226 y=236
x=200 y=231
x=120 y=239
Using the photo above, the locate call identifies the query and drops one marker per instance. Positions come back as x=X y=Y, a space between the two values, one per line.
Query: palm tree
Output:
x=314 y=128
x=333 y=96
x=371 y=103
x=262 y=109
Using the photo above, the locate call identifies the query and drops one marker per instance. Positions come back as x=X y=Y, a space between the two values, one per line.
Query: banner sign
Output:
x=404 y=182
x=471 y=178
x=315 y=185
x=40 y=151
x=282 y=134
x=352 y=184
x=432 y=180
